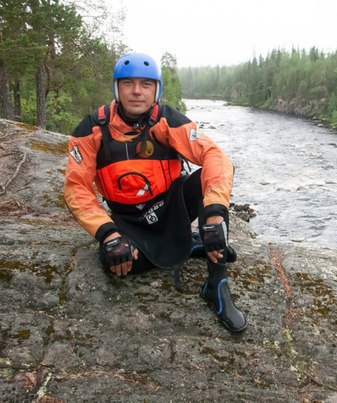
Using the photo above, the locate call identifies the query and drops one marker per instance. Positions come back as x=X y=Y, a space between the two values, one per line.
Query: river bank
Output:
x=310 y=111
x=70 y=334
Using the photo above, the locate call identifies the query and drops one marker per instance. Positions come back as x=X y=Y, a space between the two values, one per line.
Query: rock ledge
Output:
x=70 y=334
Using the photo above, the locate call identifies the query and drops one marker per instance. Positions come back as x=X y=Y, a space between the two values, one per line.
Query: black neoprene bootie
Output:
x=217 y=294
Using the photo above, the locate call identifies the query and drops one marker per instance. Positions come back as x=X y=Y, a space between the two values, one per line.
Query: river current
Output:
x=285 y=169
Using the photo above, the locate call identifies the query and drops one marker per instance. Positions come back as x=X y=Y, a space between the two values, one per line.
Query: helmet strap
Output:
x=116 y=90
x=156 y=98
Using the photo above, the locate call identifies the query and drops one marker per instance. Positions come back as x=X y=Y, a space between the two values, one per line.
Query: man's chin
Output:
x=135 y=113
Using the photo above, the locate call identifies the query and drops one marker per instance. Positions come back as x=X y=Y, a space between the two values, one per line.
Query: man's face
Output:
x=136 y=95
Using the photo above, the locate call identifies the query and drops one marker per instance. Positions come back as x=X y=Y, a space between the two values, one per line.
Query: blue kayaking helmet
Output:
x=137 y=65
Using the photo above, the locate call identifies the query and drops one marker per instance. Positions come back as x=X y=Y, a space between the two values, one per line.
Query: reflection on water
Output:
x=285 y=169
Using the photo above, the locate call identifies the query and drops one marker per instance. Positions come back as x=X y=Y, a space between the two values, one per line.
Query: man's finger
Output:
x=117 y=270
x=126 y=266
x=135 y=254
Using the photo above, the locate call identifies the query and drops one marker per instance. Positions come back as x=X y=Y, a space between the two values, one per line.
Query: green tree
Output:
x=34 y=34
x=171 y=82
x=16 y=51
x=57 y=28
x=50 y=64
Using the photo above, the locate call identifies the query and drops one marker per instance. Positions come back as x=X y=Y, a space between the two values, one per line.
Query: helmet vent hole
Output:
x=146 y=63
x=126 y=62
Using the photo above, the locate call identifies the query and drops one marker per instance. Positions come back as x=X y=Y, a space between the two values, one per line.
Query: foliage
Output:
x=171 y=83
x=305 y=82
x=29 y=110
x=56 y=61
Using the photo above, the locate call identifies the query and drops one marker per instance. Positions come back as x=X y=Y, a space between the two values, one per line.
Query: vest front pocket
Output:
x=134 y=184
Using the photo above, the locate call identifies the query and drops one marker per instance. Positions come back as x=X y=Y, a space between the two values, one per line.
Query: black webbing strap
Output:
x=101 y=117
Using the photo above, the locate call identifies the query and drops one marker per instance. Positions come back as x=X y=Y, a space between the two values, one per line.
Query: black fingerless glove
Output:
x=215 y=237
x=117 y=251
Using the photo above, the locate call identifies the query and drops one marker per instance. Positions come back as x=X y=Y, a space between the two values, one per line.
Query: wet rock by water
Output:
x=70 y=334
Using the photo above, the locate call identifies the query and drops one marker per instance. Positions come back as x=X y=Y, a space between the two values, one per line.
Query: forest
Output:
x=56 y=65
x=296 y=82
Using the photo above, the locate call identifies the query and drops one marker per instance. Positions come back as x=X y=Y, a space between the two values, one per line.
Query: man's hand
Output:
x=215 y=238
x=119 y=253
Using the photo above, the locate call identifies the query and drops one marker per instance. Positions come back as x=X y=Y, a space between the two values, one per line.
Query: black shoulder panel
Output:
x=174 y=118
x=98 y=117
x=84 y=128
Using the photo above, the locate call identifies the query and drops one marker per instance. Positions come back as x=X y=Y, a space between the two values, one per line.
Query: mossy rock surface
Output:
x=70 y=334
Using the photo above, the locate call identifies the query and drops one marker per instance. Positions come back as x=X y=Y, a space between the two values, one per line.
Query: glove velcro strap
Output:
x=105 y=230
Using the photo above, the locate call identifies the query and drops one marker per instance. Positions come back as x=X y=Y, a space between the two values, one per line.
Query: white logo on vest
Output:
x=194 y=134
x=75 y=153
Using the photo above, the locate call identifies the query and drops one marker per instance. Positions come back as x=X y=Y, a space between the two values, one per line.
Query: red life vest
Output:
x=135 y=171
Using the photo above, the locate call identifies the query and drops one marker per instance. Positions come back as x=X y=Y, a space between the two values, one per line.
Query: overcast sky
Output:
x=225 y=32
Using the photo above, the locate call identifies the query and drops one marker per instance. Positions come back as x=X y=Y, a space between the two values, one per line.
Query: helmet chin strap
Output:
x=156 y=98
x=116 y=90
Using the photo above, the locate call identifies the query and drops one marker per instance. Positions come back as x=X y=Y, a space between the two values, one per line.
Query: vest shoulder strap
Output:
x=101 y=116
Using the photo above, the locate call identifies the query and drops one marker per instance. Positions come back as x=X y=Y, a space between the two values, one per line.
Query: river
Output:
x=286 y=169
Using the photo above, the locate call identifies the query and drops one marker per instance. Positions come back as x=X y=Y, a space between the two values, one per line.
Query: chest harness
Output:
x=137 y=170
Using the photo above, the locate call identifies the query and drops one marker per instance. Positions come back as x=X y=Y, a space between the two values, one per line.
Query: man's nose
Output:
x=136 y=88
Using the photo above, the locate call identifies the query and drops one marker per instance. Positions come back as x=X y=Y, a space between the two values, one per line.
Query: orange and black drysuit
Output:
x=137 y=169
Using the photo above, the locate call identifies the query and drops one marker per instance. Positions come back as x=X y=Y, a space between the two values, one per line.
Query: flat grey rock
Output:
x=71 y=334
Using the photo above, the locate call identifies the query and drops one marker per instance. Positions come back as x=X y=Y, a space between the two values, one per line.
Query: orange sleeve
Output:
x=79 y=190
x=198 y=148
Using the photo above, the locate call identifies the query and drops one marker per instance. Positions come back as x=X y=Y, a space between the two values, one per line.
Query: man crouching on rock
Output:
x=133 y=150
